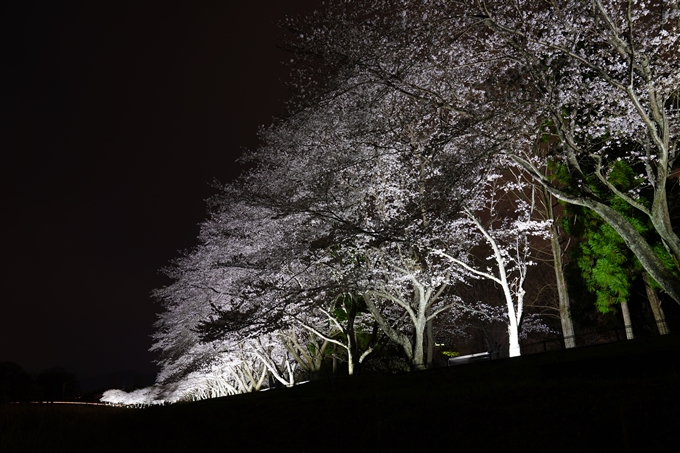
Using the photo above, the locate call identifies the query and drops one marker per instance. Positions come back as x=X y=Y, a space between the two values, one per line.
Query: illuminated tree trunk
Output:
x=655 y=303
x=515 y=308
x=421 y=316
x=626 y=321
x=562 y=291
x=563 y=295
x=513 y=290
x=513 y=324
x=430 y=343
x=513 y=334
x=420 y=297
x=418 y=350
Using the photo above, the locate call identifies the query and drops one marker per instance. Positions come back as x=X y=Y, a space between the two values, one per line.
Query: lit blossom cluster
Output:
x=392 y=181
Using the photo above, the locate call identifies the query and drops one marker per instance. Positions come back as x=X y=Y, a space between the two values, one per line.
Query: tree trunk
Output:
x=335 y=362
x=394 y=335
x=514 y=316
x=513 y=333
x=421 y=297
x=352 y=350
x=430 y=343
x=655 y=303
x=418 y=361
x=562 y=290
x=626 y=321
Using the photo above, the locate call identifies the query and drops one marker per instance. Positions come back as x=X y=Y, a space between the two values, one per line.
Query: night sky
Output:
x=115 y=118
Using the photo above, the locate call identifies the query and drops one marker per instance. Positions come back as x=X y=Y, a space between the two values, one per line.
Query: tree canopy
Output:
x=392 y=180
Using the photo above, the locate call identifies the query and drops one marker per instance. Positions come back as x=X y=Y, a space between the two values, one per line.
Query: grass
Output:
x=617 y=397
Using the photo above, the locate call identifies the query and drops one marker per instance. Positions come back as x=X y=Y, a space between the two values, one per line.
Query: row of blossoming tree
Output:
x=422 y=153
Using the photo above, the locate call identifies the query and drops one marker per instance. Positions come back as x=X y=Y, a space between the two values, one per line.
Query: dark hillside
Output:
x=616 y=397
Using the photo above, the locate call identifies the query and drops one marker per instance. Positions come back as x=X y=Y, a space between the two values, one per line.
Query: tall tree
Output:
x=558 y=252
x=508 y=238
x=593 y=74
x=385 y=180
x=609 y=73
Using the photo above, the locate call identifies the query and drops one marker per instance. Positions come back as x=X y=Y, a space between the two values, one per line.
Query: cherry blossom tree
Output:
x=508 y=237
x=609 y=71
x=548 y=202
x=388 y=187
x=373 y=184
x=243 y=267
x=579 y=83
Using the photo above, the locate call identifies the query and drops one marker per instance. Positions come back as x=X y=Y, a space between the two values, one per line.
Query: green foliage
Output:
x=607 y=265
x=451 y=353
x=343 y=305
x=623 y=176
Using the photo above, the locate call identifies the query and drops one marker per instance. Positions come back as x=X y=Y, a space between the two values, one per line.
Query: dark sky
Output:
x=115 y=117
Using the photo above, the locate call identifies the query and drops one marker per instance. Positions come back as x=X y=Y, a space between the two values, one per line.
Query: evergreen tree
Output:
x=608 y=267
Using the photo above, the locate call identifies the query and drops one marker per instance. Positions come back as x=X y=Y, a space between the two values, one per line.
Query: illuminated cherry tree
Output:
x=609 y=73
x=378 y=184
x=577 y=83
x=387 y=187
x=507 y=235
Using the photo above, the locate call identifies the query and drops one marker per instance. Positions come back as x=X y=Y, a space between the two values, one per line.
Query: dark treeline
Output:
x=52 y=384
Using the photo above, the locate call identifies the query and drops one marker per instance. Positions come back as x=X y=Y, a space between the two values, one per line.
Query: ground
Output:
x=616 y=397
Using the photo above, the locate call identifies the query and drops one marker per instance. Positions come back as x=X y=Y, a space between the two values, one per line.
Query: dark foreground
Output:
x=620 y=397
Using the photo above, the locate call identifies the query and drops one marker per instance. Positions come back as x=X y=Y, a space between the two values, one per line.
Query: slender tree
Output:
x=509 y=241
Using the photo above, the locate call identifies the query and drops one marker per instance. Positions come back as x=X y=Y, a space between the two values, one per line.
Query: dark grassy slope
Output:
x=618 y=397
